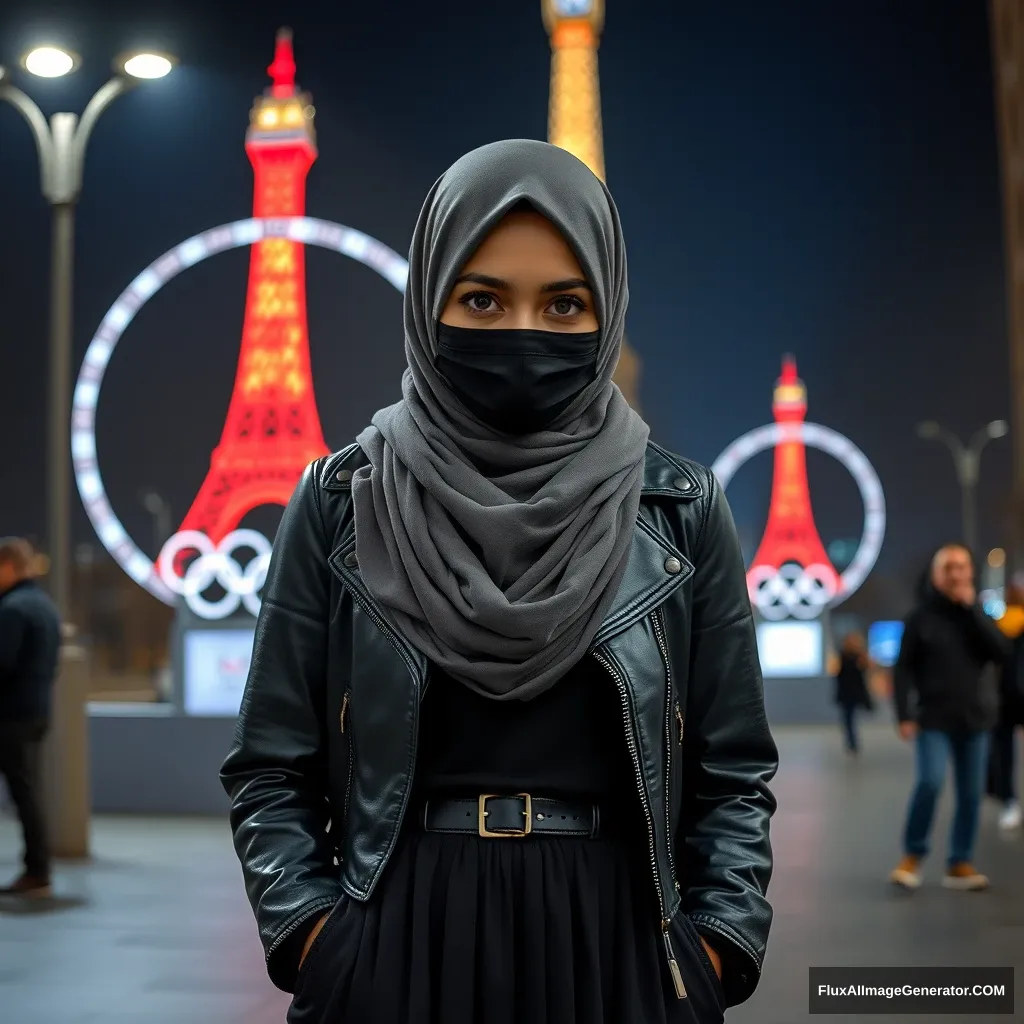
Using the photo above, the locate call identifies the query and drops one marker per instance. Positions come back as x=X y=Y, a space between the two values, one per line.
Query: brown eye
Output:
x=480 y=302
x=566 y=305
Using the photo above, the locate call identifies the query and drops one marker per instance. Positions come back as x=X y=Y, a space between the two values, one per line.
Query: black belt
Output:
x=508 y=817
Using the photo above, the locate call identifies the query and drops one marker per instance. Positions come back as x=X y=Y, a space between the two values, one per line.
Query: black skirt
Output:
x=467 y=930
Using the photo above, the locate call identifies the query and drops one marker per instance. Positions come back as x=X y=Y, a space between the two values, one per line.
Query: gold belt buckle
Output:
x=482 y=813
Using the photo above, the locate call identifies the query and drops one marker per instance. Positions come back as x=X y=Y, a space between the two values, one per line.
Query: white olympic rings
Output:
x=216 y=564
x=791 y=591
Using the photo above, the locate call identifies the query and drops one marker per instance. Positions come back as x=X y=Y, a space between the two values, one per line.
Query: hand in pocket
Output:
x=716 y=960
x=311 y=938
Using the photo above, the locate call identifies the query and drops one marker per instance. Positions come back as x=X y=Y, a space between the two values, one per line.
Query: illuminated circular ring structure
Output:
x=215 y=564
x=841 y=448
x=306 y=230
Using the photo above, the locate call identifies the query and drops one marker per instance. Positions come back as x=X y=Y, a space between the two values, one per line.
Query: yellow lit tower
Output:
x=574 y=115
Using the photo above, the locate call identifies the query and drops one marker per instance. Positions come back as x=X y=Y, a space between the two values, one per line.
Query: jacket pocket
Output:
x=713 y=995
x=333 y=916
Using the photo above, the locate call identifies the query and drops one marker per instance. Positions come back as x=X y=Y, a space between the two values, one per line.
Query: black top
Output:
x=851 y=688
x=949 y=660
x=568 y=742
x=29 y=651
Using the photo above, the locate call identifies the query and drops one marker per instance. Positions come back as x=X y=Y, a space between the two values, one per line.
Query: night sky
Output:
x=820 y=178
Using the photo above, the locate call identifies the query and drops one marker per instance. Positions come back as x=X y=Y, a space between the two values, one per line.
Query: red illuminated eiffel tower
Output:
x=273 y=428
x=790 y=535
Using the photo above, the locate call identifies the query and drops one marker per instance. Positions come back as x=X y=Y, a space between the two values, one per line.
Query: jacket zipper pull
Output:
x=679 y=719
x=673 y=964
x=344 y=711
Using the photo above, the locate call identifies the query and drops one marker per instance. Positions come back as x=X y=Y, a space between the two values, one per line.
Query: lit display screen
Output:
x=884 y=640
x=216 y=665
x=791 y=649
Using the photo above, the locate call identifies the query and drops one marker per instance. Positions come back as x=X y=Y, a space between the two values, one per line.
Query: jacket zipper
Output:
x=659 y=634
x=620 y=683
x=345 y=703
x=680 y=720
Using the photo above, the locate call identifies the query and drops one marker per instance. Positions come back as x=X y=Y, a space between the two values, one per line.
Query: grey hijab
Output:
x=496 y=556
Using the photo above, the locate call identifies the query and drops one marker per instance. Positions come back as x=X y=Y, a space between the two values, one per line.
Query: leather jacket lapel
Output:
x=654 y=571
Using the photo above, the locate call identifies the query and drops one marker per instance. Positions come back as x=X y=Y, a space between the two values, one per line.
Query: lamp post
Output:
x=61 y=143
x=160 y=510
x=967 y=461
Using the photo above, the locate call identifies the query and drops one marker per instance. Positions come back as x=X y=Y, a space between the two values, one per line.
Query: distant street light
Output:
x=61 y=143
x=967 y=461
x=50 y=62
x=147 y=65
x=160 y=510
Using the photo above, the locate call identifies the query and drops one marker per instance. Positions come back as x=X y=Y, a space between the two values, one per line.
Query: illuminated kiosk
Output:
x=792 y=582
x=164 y=757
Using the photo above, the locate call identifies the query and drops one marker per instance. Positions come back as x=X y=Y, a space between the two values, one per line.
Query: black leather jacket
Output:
x=322 y=765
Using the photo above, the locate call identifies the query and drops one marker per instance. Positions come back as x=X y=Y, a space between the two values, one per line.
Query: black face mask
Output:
x=516 y=381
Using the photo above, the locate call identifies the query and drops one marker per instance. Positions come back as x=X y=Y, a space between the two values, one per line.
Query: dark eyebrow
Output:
x=488 y=282
x=499 y=285
x=565 y=286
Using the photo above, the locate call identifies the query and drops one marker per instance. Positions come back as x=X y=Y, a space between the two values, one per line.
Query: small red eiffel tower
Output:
x=273 y=428
x=791 y=535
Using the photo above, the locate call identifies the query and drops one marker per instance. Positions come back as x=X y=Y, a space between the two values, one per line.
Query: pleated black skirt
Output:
x=466 y=930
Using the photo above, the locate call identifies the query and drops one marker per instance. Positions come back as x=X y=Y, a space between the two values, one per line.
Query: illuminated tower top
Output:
x=283 y=115
x=790 y=400
x=574 y=118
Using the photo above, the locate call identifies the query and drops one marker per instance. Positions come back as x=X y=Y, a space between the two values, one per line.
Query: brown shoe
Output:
x=963 y=876
x=29 y=887
x=907 y=873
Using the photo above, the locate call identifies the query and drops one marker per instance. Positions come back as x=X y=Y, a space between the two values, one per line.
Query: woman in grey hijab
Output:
x=460 y=788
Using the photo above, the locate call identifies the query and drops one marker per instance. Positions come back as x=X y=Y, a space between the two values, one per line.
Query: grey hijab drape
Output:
x=497 y=556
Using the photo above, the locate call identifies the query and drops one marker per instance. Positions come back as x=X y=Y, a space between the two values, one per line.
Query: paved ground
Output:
x=157 y=931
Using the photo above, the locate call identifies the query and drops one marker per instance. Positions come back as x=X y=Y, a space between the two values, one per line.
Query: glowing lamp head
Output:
x=50 y=62
x=146 y=65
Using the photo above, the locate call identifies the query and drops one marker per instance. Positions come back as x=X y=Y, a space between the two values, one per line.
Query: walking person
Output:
x=29 y=652
x=1011 y=711
x=947 y=702
x=502 y=754
x=852 y=694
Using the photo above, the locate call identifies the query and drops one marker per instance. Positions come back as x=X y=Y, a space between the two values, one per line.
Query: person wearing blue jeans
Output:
x=947 y=701
x=969 y=751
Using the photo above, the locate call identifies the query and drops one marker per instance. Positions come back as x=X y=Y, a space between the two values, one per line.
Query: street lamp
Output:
x=61 y=143
x=967 y=461
x=160 y=510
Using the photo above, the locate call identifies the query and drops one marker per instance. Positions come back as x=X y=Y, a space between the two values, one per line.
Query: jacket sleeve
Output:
x=12 y=631
x=276 y=771
x=989 y=640
x=904 y=676
x=731 y=758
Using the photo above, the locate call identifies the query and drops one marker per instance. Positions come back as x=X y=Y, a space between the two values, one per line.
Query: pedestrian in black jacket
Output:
x=29 y=651
x=947 y=700
x=852 y=693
